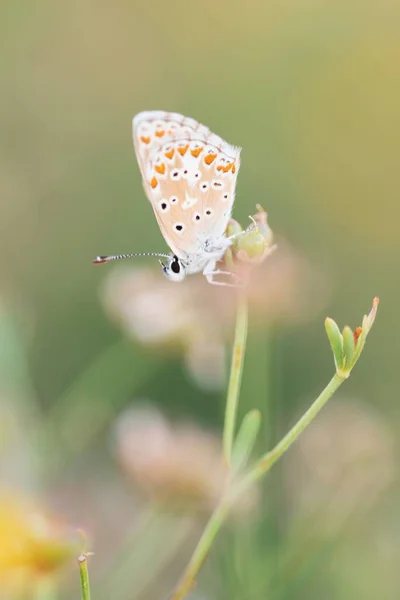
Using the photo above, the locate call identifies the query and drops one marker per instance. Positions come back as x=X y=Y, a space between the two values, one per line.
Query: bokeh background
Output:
x=310 y=89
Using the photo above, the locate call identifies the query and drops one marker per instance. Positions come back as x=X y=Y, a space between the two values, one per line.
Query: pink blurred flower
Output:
x=174 y=464
x=345 y=457
x=196 y=318
x=178 y=465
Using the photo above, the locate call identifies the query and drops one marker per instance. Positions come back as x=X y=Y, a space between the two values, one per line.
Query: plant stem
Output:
x=85 y=587
x=238 y=352
x=200 y=554
x=270 y=458
x=264 y=464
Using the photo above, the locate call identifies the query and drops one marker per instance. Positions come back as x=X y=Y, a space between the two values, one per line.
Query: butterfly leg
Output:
x=210 y=279
x=210 y=272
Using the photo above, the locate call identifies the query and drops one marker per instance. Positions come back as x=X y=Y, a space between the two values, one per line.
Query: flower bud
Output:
x=254 y=244
x=347 y=346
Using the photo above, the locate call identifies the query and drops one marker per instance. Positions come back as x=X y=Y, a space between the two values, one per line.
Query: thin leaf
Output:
x=336 y=341
x=245 y=439
x=348 y=346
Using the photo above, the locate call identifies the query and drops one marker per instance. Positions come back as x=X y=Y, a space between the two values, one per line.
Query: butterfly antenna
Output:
x=103 y=259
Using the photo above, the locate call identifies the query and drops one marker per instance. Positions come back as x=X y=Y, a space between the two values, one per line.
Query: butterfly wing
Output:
x=189 y=175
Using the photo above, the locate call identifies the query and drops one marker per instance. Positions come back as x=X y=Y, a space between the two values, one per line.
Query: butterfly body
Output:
x=208 y=252
x=189 y=176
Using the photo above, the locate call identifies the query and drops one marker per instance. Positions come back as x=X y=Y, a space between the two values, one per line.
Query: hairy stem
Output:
x=85 y=587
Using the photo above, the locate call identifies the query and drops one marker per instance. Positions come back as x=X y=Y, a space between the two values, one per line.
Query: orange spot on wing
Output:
x=160 y=133
x=233 y=169
x=145 y=139
x=154 y=182
x=169 y=154
x=160 y=168
x=228 y=168
x=182 y=151
x=220 y=168
x=196 y=152
x=210 y=158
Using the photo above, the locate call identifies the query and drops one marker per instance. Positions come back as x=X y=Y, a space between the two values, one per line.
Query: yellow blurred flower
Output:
x=32 y=544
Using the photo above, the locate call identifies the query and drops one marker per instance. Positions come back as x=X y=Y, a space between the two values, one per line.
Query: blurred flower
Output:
x=206 y=362
x=285 y=289
x=33 y=545
x=196 y=318
x=183 y=318
x=176 y=465
x=345 y=458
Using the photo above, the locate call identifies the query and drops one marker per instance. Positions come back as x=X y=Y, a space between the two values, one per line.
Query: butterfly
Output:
x=189 y=176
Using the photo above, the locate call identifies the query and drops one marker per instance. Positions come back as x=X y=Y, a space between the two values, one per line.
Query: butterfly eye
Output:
x=175 y=271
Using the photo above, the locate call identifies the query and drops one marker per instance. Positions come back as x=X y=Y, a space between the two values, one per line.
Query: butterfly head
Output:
x=174 y=269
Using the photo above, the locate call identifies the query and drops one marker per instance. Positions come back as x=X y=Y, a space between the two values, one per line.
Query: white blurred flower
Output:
x=183 y=318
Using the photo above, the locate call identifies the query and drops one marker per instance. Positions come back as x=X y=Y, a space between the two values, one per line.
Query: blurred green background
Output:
x=311 y=90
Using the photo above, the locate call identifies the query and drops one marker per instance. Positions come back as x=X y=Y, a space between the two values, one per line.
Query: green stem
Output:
x=270 y=458
x=239 y=347
x=85 y=587
x=200 y=554
x=265 y=463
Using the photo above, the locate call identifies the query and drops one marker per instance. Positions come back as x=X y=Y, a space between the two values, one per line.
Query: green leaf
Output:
x=336 y=341
x=245 y=439
x=348 y=347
